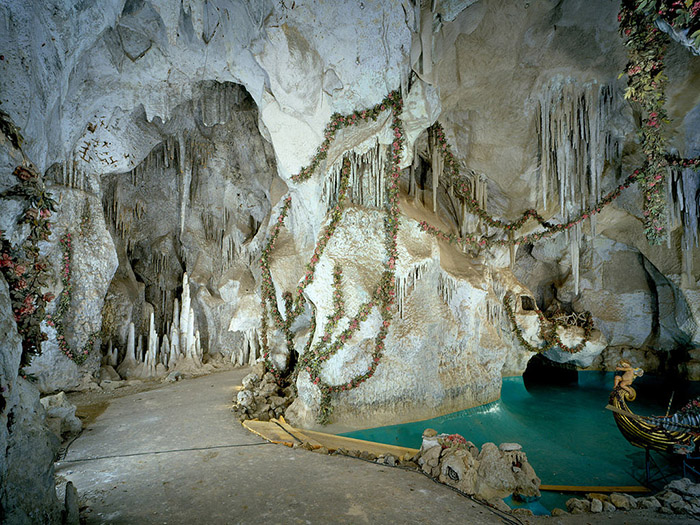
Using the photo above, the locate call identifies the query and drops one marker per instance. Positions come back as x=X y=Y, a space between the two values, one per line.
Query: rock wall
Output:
x=187 y=121
x=27 y=447
x=445 y=349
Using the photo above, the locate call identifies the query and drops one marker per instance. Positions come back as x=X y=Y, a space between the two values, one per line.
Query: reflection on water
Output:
x=568 y=435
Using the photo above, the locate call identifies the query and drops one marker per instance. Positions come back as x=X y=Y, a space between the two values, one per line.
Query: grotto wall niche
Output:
x=195 y=204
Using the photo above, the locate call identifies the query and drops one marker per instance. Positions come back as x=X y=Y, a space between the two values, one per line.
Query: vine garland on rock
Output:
x=461 y=187
x=646 y=85
x=24 y=268
x=384 y=295
x=339 y=122
x=547 y=330
x=64 y=302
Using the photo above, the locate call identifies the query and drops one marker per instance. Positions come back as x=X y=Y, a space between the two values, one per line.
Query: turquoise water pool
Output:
x=568 y=435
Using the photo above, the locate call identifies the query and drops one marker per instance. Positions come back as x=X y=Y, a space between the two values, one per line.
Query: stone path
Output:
x=177 y=455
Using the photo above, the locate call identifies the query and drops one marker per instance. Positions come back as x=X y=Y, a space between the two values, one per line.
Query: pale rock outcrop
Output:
x=60 y=415
x=445 y=341
x=93 y=263
x=490 y=474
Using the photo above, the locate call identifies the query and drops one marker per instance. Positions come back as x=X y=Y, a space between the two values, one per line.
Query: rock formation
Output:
x=173 y=134
x=490 y=474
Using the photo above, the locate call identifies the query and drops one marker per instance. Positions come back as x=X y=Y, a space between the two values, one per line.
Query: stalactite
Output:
x=575 y=143
x=447 y=286
x=217 y=102
x=683 y=210
x=575 y=237
x=367 y=178
x=405 y=284
x=184 y=177
x=495 y=313
x=478 y=190
x=412 y=172
x=437 y=165
x=70 y=175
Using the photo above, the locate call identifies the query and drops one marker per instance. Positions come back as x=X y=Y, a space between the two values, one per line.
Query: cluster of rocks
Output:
x=681 y=496
x=261 y=397
x=491 y=474
x=60 y=416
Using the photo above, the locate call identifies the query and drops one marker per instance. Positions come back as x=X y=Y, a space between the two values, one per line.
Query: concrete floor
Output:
x=177 y=455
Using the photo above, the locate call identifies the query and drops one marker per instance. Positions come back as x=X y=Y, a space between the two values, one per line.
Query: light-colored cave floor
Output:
x=176 y=454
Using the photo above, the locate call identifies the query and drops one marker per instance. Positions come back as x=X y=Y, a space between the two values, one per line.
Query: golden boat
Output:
x=661 y=433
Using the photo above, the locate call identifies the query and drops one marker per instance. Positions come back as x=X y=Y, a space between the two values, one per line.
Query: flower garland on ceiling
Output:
x=24 y=268
x=646 y=85
x=384 y=296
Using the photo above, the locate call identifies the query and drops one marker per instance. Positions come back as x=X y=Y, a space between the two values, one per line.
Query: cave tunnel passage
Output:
x=541 y=372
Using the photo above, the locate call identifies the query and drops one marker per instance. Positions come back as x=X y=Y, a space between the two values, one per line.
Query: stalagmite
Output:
x=197 y=348
x=129 y=362
x=187 y=336
x=150 y=360
x=140 y=353
x=112 y=355
x=253 y=342
x=164 y=350
x=130 y=345
x=184 y=314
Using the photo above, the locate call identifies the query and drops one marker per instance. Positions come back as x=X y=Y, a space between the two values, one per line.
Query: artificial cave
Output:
x=429 y=240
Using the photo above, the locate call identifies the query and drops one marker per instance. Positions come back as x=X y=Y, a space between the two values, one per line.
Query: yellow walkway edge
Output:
x=278 y=431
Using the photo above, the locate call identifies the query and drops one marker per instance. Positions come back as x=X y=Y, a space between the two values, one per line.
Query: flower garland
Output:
x=338 y=122
x=547 y=331
x=267 y=289
x=646 y=85
x=462 y=186
x=692 y=408
x=57 y=319
x=384 y=296
x=24 y=268
x=453 y=441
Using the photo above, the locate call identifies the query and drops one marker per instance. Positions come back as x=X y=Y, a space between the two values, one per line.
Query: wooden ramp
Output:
x=278 y=431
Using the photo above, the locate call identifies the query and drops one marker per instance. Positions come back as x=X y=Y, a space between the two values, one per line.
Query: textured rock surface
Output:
x=27 y=447
x=491 y=474
x=444 y=351
x=186 y=120
x=93 y=263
